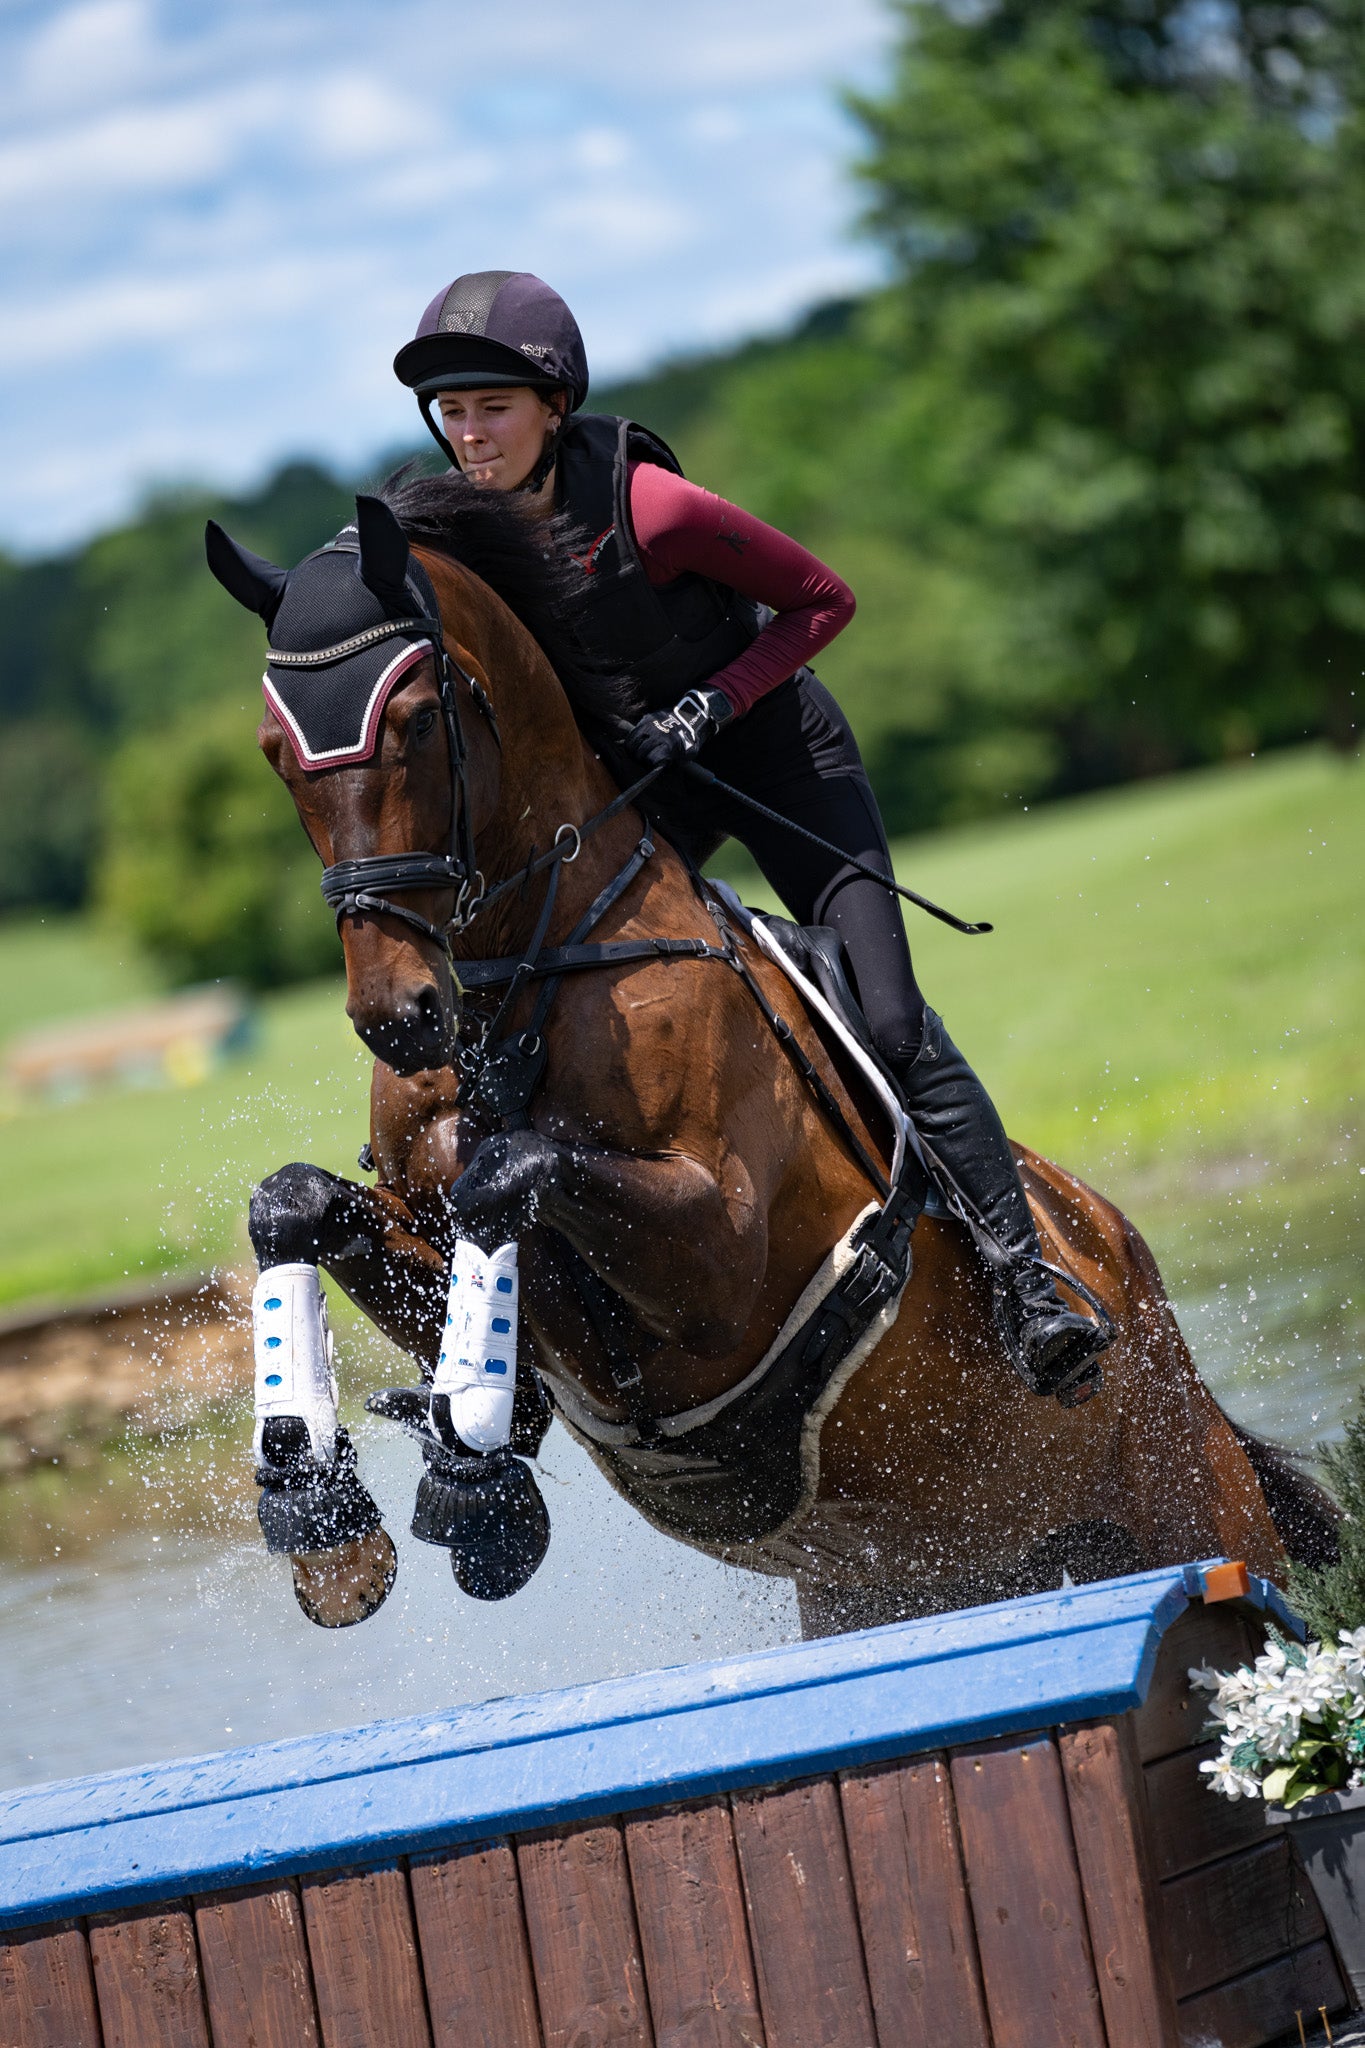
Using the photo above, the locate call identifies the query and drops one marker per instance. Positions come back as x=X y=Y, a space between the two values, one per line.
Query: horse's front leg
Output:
x=369 y=1242
x=313 y=1506
x=683 y=1246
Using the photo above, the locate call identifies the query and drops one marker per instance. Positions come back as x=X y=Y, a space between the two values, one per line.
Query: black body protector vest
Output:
x=670 y=639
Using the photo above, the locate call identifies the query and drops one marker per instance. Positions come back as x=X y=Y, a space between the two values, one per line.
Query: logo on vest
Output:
x=588 y=562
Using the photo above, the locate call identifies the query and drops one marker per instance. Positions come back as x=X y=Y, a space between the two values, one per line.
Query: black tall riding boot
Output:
x=1054 y=1349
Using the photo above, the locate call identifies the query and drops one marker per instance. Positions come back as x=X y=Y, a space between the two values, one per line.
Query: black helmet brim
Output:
x=467 y=362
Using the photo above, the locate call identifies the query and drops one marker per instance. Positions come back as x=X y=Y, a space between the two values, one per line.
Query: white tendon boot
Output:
x=477 y=1368
x=294 y=1376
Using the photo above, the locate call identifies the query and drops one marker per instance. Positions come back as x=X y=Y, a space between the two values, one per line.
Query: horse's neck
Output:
x=549 y=776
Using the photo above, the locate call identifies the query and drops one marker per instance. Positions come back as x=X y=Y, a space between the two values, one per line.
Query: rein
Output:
x=507 y=1070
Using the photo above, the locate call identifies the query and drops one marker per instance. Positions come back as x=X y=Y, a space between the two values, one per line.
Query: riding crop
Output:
x=862 y=867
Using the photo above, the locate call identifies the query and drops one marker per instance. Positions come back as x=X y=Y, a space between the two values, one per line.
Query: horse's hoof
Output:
x=488 y=1513
x=337 y=1588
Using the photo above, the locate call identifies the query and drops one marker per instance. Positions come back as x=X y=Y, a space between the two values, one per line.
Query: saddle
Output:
x=818 y=951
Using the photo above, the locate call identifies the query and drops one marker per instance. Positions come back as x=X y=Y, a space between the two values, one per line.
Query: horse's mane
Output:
x=527 y=565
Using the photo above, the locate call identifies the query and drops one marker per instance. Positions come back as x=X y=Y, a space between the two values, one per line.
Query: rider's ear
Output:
x=253 y=581
x=383 y=555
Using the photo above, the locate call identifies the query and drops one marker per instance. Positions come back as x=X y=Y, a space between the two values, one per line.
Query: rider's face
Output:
x=498 y=434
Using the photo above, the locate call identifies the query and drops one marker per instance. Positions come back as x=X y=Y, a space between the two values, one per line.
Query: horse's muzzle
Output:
x=412 y=1034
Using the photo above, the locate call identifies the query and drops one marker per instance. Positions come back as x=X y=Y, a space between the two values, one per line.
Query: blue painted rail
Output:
x=403 y=1787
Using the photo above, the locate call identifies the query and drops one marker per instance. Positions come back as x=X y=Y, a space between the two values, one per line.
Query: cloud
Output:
x=149 y=149
x=352 y=118
x=88 y=52
x=218 y=218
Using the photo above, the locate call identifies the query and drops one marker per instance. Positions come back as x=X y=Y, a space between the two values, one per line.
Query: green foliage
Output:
x=1131 y=284
x=1331 y=1598
x=48 y=822
x=131 y=634
x=207 y=865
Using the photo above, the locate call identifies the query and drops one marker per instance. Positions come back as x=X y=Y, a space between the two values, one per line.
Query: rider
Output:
x=715 y=616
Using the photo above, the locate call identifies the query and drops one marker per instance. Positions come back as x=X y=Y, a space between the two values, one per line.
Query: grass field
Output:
x=1173 y=1003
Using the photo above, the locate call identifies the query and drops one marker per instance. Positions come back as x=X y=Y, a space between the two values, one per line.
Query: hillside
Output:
x=1173 y=1003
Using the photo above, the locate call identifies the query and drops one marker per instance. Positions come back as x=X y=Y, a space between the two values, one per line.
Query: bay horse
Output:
x=672 y=1150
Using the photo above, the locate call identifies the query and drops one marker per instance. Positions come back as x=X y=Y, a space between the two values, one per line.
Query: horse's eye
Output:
x=423 y=724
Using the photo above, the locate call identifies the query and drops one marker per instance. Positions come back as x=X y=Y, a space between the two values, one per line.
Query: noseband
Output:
x=368 y=883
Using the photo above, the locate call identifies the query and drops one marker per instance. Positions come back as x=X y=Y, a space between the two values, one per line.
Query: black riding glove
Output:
x=662 y=737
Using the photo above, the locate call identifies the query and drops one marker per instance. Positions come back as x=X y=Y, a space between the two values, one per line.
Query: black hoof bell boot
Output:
x=484 y=1507
x=487 y=1511
x=302 y=1508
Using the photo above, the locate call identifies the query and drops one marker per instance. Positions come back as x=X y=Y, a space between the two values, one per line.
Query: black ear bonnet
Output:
x=339 y=608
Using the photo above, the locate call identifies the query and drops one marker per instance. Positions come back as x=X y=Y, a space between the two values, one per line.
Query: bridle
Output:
x=369 y=882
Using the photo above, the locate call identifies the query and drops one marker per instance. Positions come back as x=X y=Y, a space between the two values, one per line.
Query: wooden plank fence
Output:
x=984 y=1830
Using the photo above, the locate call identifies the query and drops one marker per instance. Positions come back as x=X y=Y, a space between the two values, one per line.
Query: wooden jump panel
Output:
x=798 y=1890
x=47 y=1992
x=694 y=1934
x=253 y=1956
x=1068 y=1885
x=576 y=1886
x=364 y=1952
x=1261 y=2006
x=475 y=1955
x=1104 y=1795
x=918 y=1939
x=1026 y=1896
x=147 y=1979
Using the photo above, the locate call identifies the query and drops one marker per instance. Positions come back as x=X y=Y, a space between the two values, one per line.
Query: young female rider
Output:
x=715 y=616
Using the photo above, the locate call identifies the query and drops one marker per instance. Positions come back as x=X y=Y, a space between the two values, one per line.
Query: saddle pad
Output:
x=751 y=1468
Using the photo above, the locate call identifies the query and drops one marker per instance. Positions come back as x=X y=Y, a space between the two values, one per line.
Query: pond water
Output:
x=140 y=1617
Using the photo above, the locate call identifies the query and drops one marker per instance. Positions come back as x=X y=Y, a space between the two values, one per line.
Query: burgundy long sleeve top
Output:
x=679 y=526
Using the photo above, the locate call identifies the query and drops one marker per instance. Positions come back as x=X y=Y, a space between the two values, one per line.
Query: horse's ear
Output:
x=253 y=581
x=383 y=555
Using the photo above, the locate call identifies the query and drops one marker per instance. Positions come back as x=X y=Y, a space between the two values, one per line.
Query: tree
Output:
x=1131 y=286
x=206 y=862
x=48 y=813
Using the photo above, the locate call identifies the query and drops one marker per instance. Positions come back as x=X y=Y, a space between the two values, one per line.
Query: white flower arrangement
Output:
x=1292 y=1725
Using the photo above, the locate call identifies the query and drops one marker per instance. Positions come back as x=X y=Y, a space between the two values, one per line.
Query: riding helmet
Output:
x=493 y=327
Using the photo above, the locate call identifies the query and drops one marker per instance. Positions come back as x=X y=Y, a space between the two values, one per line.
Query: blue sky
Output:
x=219 y=218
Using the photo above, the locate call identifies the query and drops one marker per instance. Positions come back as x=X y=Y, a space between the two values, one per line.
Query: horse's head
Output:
x=369 y=726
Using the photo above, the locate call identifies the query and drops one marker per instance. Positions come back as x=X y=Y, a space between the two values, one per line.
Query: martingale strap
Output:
x=509 y=1068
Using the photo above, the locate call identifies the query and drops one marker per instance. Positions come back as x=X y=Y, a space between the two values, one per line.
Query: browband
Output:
x=320 y=656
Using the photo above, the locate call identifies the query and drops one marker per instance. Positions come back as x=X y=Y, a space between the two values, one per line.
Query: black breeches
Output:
x=796 y=753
